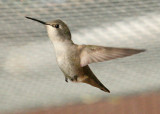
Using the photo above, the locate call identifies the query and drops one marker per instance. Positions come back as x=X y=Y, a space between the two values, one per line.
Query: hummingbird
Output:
x=73 y=59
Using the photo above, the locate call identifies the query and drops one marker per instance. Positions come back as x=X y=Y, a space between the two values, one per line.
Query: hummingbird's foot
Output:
x=66 y=79
x=74 y=78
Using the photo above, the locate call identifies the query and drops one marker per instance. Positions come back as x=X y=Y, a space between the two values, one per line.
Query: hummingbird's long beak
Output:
x=37 y=20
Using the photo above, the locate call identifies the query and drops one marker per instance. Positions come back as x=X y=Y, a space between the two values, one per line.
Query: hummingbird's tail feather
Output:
x=93 y=80
x=96 y=83
x=105 y=89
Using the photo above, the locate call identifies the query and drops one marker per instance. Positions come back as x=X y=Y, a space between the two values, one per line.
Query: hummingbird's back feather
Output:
x=91 y=53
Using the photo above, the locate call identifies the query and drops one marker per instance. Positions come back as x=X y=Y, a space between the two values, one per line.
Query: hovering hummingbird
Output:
x=73 y=59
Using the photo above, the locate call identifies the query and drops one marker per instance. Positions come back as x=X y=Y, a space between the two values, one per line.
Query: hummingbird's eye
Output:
x=56 y=26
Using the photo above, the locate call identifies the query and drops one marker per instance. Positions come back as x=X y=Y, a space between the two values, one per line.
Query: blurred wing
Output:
x=91 y=53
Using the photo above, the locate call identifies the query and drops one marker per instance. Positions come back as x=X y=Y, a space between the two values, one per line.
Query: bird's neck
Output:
x=62 y=46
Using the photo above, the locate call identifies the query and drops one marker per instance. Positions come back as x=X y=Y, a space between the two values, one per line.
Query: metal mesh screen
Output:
x=29 y=75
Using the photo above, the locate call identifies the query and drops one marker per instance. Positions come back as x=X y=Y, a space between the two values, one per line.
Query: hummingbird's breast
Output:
x=68 y=59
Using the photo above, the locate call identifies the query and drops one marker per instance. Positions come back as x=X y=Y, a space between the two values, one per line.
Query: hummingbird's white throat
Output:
x=61 y=42
x=52 y=33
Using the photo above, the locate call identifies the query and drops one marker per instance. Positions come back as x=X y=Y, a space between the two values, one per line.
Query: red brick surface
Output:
x=139 y=104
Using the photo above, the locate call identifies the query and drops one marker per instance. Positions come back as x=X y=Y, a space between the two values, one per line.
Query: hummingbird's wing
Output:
x=91 y=53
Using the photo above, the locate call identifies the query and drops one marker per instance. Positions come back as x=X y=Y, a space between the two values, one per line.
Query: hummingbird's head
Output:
x=57 y=29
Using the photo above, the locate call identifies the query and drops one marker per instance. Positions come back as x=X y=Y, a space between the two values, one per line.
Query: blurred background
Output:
x=32 y=83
